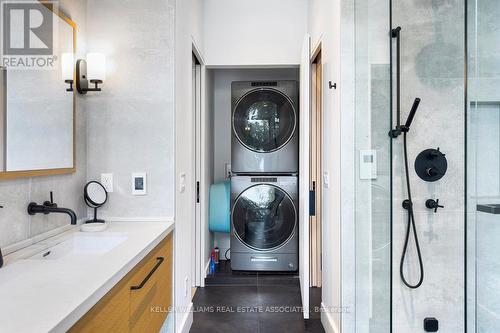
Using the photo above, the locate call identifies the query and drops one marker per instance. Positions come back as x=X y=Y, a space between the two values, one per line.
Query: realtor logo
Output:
x=27 y=36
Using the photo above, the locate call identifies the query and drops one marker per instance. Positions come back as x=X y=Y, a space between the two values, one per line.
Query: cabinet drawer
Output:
x=110 y=314
x=150 y=290
x=140 y=301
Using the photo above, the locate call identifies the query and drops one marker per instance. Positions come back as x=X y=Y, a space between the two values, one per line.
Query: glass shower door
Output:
x=483 y=139
x=373 y=166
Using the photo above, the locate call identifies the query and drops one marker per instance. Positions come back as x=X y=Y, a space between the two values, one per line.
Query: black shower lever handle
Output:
x=433 y=204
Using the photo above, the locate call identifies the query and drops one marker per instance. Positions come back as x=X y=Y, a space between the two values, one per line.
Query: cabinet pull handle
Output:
x=146 y=279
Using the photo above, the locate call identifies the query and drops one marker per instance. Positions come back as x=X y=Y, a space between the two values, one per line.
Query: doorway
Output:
x=196 y=105
x=315 y=165
x=202 y=166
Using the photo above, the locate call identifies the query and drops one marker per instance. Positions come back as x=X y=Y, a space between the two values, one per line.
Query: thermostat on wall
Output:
x=368 y=164
x=139 y=183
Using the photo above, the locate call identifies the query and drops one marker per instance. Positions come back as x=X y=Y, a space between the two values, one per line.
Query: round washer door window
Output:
x=264 y=217
x=264 y=120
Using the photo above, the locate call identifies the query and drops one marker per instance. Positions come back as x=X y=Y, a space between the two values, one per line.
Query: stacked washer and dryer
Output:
x=264 y=182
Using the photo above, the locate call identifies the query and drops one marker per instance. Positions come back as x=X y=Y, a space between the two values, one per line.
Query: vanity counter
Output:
x=50 y=293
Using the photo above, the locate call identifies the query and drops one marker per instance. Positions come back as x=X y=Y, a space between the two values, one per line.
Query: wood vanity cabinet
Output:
x=140 y=301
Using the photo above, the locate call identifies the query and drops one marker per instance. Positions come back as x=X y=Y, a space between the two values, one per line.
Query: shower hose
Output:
x=408 y=205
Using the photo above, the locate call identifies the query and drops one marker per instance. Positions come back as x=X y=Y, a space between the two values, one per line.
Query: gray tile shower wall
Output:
x=15 y=224
x=433 y=70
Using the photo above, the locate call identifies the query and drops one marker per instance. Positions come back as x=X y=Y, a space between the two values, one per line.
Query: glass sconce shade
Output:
x=96 y=67
x=67 y=66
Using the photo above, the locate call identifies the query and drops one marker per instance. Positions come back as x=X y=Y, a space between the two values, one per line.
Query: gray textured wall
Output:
x=131 y=122
x=15 y=224
x=433 y=35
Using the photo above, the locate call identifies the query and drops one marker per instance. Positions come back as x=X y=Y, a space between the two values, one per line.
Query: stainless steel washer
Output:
x=264 y=223
x=265 y=127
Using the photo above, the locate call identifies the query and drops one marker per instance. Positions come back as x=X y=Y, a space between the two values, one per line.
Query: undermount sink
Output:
x=81 y=244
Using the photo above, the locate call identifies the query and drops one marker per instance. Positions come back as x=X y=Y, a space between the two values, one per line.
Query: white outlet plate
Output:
x=107 y=181
x=186 y=284
x=182 y=182
x=326 y=179
x=227 y=170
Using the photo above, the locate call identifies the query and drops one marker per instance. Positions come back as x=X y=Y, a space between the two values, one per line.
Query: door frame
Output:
x=199 y=164
x=316 y=165
x=304 y=156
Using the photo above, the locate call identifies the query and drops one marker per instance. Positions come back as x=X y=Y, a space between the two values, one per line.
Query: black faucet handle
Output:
x=51 y=202
x=433 y=204
x=435 y=153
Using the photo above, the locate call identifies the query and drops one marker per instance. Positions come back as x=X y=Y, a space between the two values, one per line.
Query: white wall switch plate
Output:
x=182 y=182
x=186 y=284
x=107 y=181
x=367 y=164
x=326 y=179
x=228 y=170
x=139 y=183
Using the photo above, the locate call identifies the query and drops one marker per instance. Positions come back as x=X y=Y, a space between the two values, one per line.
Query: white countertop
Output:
x=50 y=295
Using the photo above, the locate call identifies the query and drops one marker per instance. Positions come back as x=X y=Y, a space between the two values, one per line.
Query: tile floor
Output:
x=241 y=303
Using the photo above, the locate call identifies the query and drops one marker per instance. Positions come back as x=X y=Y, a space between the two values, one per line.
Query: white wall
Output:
x=348 y=203
x=324 y=27
x=130 y=123
x=188 y=28
x=257 y=32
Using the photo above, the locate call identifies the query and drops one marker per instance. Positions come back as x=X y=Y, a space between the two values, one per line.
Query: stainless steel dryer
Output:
x=265 y=127
x=264 y=223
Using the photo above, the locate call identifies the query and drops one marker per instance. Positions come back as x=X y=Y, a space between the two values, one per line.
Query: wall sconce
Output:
x=93 y=70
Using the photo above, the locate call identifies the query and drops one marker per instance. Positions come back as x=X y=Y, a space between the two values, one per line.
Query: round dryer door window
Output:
x=264 y=120
x=264 y=217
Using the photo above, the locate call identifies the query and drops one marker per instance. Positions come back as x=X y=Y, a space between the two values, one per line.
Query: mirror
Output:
x=95 y=196
x=37 y=114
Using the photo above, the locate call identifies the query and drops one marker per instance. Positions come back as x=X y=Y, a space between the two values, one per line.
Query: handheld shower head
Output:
x=413 y=110
x=399 y=129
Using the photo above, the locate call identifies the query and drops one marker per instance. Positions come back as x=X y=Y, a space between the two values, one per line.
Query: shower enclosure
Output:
x=450 y=59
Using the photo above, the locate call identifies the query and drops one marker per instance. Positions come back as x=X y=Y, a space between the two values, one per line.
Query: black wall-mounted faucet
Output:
x=50 y=207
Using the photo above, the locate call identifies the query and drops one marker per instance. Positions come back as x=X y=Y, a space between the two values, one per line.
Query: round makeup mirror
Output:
x=95 y=196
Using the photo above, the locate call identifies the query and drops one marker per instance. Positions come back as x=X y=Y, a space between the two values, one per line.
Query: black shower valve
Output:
x=433 y=204
x=431 y=165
